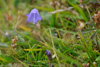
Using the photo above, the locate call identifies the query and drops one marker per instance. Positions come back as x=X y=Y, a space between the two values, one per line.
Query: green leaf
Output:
x=3 y=59
x=98 y=58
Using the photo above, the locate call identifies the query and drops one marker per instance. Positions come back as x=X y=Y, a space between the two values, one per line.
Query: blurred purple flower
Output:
x=51 y=65
x=49 y=54
x=34 y=16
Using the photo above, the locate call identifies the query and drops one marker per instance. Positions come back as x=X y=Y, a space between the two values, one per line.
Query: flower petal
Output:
x=30 y=17
x=40 y=18
x=36 y=21
x=27 y=15
x=34 y=11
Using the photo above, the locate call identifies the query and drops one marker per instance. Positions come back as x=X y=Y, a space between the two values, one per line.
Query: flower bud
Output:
x=49 y=54
x=51 y=65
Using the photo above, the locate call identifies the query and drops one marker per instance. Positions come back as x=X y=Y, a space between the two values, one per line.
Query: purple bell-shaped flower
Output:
x=34 y=16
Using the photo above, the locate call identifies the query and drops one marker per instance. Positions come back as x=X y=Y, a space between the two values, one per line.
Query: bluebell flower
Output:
x=34 y=16
x=49 y=54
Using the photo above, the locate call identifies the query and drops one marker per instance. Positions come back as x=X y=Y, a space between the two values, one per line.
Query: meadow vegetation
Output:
x=67 y=35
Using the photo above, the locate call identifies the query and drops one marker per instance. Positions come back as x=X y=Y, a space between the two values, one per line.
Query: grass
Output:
x=23 y=44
